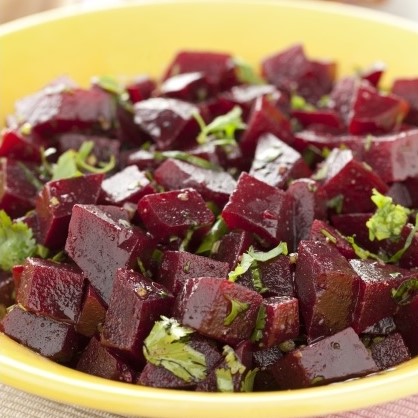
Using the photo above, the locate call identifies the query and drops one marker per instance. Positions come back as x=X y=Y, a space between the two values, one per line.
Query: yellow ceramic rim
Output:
x=28 y=371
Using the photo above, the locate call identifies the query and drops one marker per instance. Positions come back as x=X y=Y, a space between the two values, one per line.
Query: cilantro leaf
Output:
x=299 y=103
x=166 y=346
x=269 y=255
x=257 y=279
x=361 y=252
x=16 y=242
x=218 y=230
x=245 y=73
x=260 y=323
x=237 y=307
x=328 y=236
x=405 y=291
x=241 y=268
x=109 y=84
x=224 y=380
x=388 y=220
x=248 y=383
x=232 y=360
x=398 y=255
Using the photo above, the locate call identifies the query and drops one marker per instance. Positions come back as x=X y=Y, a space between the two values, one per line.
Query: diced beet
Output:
x=100 y=361
x=6 y=292
x=411 y=185
x=400 y=194
x=384 y=327
x=406 y=320
x=342 y=96
x=190 y=87
x=354 y=224
x=326 y=117
x=177 y=266
x=407 y=88
x=390 y=352
x=51 y=289
x=214 y=186
x=257 y=207
x=374 y=73
x=338 y=357
x=100 y=240
x=276 y=163
x=55 y=340
x=264 y=118
x=140 y=88
x=219 y=68
x=104 y=148
x=55 y=202
x=158 y=376
x=17 y=146
x=350 y=180
x=135 y=304
x=92 y=313
x=233 y=160
x=127 y=130
x=282 y=320
x=263 y=359
x=143 y=159
x=310 y=204
x=169 y=122
x=375 y=300
x=327 y=288
x=128 y=185
x=17 y=192
x=232 y=245
x=174 y=213
x=206 y=304
x=374 y=112
x=321 y=231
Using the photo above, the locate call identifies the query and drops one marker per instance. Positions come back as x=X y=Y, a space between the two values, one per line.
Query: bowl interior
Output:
x=141 y=38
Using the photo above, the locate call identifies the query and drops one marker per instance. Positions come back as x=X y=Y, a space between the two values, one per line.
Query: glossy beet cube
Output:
x=264 y=117
x=17 y=191
x=168 y=122
x=128 y=185
x=214 y=186
x=276 y=163
x=373 y=112
x=327 y=288
x=407 y=88
x=231 y=246
x=325 y=117
x=206 y=304
x=338 y=357
x=390 y=352
x=177 y=266
x=135 y=304
x=257 y=207
x=158 y=376
x=92 y=313
x=373 y=73
x=140 y=88
x=51 y=289
x=375 y=300
x=406 y=320
x=350 y=180
x=218 y=68
x=16 y=146
x=263 y=359
x=53 y=339
x=173 y=214
x=98 y=360
x=310 y=204
x=55 y=202
x=282 y=320
x=100 y=240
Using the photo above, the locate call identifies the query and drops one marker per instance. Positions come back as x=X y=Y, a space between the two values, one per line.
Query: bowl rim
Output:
x=63 y=383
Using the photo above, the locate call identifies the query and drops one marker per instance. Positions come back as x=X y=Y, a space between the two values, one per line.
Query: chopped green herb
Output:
x=388 y=220
x=257 y=279
x=299 y=103
x=361 y=252
x=324 y=101
x=218 y=230
x=58 y=257
x=248 y=382
x=26 y=129
x=167 y=346
x=186 y=240
x=398 y=255
x=260 y=323
x=237 y=307
x=188 y=158
x=241 y=268
x=109 y=84
x=224 y=380
x=232 y=360
x=42 y=251
x=245 y=73
x=287 y=346
x=368 y=142
x=405 y=291
x=328 y=236
x=30 y=176
x=321 y=174
x=16 y=242
x=336 y=203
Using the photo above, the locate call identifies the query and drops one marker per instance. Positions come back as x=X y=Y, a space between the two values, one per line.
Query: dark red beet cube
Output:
x=373 y=73
x=17 y=146
x=375 y=300
x=174 y=213
x=55 y=340
x=214 y=186
x=128 y=185
x=327 y=288
x=264 y=117
x=342 y=96
x=406 y=320
x=276 y=163
x=282 y=320
x=140 y=88
x=51 y=289
x=310 y=204
x=325 y=117
x=407 y=88
x=100 y=240
x=390 y=352
x=206 y=304
x=92 y=313
x=99 y=361
x=257 y=207
x=263 y=359
x=177 y=266
x=135 y=304
x=168 y=122
x=55 y=202
x=17 y=192
x=350 y=179
x=338 y=357
x=7 y=289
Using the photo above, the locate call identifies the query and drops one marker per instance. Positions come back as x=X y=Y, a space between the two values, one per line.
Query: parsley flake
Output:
x=237 y=307
x=246 y=74
x=405 y=291
x=218 y=230
x=260 y=324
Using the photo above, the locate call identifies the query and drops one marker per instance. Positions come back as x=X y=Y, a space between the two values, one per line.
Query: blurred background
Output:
x=12 y=9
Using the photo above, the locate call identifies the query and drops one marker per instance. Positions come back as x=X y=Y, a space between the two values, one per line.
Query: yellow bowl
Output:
x=141 y=38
